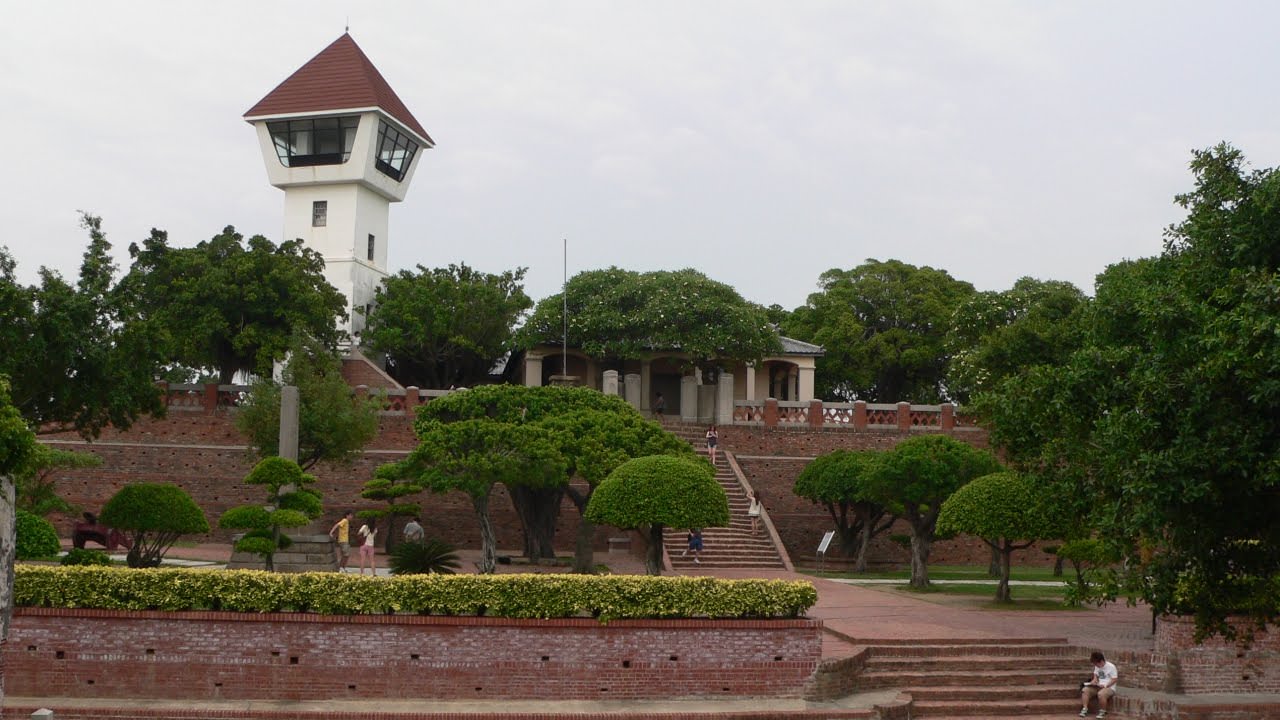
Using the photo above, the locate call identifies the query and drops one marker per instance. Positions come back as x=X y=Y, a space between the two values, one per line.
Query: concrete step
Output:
x=974 y=663
x=1003 y=648
x=1067 y=679
x=995 y=708
x=972 y=694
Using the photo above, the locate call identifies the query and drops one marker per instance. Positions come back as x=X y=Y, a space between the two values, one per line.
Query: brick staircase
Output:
x=726 y=547
x=1028 y=678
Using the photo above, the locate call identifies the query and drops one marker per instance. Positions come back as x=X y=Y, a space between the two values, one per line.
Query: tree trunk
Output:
x=653 y=553
x=920 y=542
x=993 y=565
x=1057 y=565
x=8 y=545
x=538 y=511
x=488 y=554
x=864 y=541
x=1002 y=588
x=391 y=534
x=584 y=557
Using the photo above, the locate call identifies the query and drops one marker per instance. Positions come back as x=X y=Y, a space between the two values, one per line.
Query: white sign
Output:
x=826 y=542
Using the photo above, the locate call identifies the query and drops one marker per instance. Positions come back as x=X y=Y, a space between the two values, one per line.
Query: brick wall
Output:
x=203 y=452
x=1217 y=665
x=208 y=655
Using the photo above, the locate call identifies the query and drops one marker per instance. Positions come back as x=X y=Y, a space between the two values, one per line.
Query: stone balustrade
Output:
x=856 y=415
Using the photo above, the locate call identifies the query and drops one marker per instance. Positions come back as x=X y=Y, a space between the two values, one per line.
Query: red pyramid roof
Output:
x=338 y=78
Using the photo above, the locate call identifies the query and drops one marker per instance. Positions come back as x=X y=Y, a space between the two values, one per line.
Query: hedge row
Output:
x=606 y=597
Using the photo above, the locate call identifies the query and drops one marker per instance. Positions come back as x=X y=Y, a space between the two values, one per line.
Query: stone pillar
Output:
x=646 y=385
x=289 y=423
x=805 y=387
x=706 y=403
x=724 y=400
x=948 y=420
x=771 y=412
x=533 y=371
x=631 y=390
x=210 y=397
x=750 y=377
x=689 y=399
x=904 y=416
x=793 y=379
x=609 y=385
x=859 y=414
x=815 y=414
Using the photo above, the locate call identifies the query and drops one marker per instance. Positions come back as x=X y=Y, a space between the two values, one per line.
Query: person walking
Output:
x=341 y=533
x=713 y=438
x=413 y=531
x=753 y=511
x=659 y=406
x=1102 y=686
x=694 y=538
x=369 y=534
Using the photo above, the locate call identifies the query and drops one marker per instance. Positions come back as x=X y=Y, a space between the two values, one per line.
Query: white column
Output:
x=609 y=385
x=533 y=370
x=805 y=390
x=631 y=389
x=689 y=399
x=751 y=382
x=724 y=400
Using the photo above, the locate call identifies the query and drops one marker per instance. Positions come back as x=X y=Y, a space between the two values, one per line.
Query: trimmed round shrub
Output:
x=36 y=537
x=154 y=515
x=415 y=557
x=83 y=556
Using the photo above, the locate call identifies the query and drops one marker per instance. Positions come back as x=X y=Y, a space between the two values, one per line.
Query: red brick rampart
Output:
x=226 y=656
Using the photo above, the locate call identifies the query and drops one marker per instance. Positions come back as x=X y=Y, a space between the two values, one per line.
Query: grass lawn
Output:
x=982 y=596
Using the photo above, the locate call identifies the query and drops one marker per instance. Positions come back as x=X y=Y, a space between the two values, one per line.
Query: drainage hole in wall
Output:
x=413 y=656
x=275 y=653
x=351 y=687
x=777 y=658
x=217 y=684
x=479 y=689
x=1244 y=677
x=151 y=651
x=604 y=689
x=545 y=658
x=626 y=663
x=60 y=655
x=675 y=658
x=32 y=648
x=293 y=659
x=90 y=682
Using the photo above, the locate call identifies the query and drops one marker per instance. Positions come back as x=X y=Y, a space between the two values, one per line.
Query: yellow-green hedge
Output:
x=513 y=596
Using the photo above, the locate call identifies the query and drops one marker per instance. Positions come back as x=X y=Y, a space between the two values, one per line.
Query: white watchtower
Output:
x=343 y=147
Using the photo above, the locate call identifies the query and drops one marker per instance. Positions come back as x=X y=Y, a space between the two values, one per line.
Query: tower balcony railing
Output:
x=858 y=415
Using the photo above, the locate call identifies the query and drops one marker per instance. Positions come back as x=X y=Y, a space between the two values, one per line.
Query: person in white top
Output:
x=1102 y=686
x=366 y=549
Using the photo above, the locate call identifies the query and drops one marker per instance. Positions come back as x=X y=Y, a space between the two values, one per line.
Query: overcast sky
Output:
x=761 y=143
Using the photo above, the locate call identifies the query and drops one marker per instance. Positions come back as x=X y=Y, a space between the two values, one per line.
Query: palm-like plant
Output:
x=416 y=557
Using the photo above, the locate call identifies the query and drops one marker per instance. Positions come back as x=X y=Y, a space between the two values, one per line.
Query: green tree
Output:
x=617 y=314
x=649 y=493
x=37 y=492
x=289 y=503
x=392 y=490
x=475 y=455
x=1003 y=508
x=884 y=326
x=232 y=305
x=154 y=515
x=916 y=477
x=998 y=334
x=333 y=423
x=1167 y=411
x=76 y=358
x=838 y=481
x=593 y=431
x=445 y=326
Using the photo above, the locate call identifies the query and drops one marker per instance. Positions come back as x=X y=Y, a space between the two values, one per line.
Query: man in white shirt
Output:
x=1102 y=686
x=413 y=530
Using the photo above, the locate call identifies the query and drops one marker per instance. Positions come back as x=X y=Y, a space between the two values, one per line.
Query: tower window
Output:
x=319 y=213
x=314 y=141
x=371 y=246
x=395 y=151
